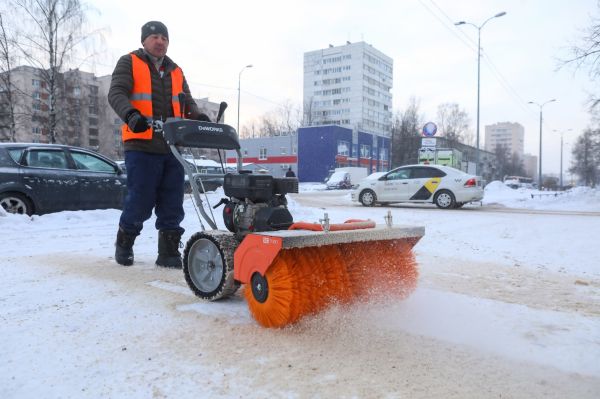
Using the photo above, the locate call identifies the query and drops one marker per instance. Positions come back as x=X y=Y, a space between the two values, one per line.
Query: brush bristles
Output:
x=303 y=281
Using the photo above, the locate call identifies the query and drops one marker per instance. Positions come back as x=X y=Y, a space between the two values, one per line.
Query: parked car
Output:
x=207 y=171
x=339 y=180
x=442 y=185
x=345 y=177
x=45 y=178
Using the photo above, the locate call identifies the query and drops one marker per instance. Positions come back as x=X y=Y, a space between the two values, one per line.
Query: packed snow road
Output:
x=341 y=198
x=508 y=305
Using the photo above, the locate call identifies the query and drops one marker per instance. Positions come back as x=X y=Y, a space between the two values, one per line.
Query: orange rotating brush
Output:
x=292 y=274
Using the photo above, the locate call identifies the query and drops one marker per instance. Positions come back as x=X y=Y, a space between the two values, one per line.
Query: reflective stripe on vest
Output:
x=141 y=96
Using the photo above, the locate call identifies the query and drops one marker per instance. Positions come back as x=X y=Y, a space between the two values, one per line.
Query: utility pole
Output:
x=479 y=27
x=540 y=160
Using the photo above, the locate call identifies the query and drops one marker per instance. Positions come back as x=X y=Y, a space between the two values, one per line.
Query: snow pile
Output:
x=584 y=199
x=304 y=187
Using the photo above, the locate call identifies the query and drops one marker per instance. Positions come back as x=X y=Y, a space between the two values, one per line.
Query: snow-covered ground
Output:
x=508 y=305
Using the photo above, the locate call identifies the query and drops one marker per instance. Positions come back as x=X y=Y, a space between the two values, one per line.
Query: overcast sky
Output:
x=433 y=59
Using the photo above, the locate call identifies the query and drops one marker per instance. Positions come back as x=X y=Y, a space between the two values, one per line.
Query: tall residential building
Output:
x=530 y=164
x=78 y=113
x=510 y=135
x=30 y=101
x=349 y=85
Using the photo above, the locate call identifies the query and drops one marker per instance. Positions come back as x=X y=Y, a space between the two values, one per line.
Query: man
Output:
x=147 y=85
x=290 y=173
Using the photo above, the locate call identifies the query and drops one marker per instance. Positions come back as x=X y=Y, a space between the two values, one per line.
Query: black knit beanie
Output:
x=153 y=27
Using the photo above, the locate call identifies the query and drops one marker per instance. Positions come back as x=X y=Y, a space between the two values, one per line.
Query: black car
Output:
x=44 y=178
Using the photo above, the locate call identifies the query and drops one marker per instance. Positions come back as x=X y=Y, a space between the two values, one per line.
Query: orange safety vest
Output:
x=141 y=96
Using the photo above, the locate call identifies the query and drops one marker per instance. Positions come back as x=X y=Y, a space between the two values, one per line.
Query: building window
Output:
x=383 y=154
x=343 y=148
x=263 y=153
x=283 y=150
x=365 y=151
x=36 y=83
x=76 y=91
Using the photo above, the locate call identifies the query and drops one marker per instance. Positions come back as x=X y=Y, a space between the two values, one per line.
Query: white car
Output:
x=442 y=185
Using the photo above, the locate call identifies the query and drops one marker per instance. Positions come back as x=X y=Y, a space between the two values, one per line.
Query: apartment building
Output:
x=530 y=163
x=349 y=86
x=78 y=111
x=508 y=134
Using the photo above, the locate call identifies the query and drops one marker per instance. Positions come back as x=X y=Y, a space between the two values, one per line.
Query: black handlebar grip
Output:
x=181 y=97
x=222 y=108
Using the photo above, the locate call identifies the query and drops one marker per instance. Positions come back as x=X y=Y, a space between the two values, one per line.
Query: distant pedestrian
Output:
x=290 y=173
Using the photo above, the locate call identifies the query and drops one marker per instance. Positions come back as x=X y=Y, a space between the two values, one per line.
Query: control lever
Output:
x=223 y=201
x=222 y=108
x=181 y=97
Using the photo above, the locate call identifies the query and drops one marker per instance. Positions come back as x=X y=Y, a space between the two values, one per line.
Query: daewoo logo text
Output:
x=210 y=129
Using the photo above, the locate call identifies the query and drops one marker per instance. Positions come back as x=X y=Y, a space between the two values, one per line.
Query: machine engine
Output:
x=257 y=202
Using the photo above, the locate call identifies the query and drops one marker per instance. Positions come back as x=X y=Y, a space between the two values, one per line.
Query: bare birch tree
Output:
x=7 y=96
x=587 y=53
x=586 y=157
x=53 y=35
x=453 y=122
x=406 y=127
x=282 y=121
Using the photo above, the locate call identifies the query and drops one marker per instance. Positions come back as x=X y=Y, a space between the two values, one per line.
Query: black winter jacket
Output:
x=121 y=86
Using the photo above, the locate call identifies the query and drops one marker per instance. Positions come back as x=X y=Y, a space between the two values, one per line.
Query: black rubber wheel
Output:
x=208 y=264
x=444 y=199
x=16 y=203
x=367 y=198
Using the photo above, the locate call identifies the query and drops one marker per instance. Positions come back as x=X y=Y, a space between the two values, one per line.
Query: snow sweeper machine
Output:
x=289 y=270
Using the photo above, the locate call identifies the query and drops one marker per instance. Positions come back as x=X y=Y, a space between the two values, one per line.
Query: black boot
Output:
x=124 y=247
x=168 y=249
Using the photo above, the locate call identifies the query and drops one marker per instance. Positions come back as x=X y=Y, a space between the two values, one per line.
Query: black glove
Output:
x=203 y=117
x=136 y=122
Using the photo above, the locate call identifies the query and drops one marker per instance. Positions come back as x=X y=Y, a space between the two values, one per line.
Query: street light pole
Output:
x=479 y=27
x=239 y=85
x=540 y=161
x=561 y=157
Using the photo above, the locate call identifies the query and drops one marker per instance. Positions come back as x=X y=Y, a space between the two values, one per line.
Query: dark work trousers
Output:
x=153 y=181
